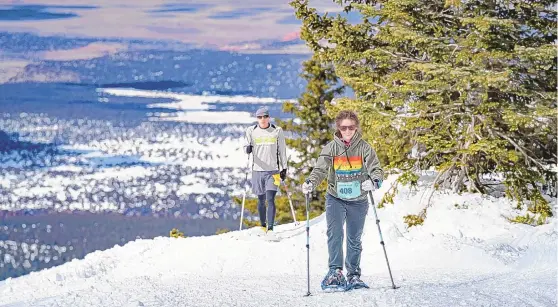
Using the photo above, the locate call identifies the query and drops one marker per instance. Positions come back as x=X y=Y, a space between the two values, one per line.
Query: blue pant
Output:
x=267 y=218
x=354 y=213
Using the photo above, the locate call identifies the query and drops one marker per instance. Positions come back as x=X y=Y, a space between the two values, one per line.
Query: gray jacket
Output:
x=346 y=167
x=269 y=148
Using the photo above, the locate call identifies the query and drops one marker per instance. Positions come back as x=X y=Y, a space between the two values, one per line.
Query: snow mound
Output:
x=465 y=254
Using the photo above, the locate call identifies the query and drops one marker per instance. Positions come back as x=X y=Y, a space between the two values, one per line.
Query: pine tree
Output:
x=465 y=87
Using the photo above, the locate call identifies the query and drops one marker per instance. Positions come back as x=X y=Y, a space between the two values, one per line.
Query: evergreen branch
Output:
x=401 y=56
x=472 y=182
x=433 y=189
x=381 y=86
x=518 y=147
x=454 y=49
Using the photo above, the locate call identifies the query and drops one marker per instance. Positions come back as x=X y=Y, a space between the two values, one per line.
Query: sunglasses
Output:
x=260 y=117
x=344 y=128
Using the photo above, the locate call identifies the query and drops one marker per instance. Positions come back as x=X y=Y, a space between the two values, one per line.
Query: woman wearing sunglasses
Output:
x=352 y=169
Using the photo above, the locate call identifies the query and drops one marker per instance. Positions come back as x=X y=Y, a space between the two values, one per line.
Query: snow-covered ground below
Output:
x=466 y=254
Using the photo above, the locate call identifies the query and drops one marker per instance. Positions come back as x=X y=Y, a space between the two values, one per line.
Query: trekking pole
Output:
x=245 y=191
x=308 y=239
x=290 y=202
x=371 y=202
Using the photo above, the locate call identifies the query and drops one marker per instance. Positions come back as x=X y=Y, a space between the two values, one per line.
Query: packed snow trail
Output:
x=465 y=254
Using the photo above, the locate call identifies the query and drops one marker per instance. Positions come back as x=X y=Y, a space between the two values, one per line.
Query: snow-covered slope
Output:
x=466 y=254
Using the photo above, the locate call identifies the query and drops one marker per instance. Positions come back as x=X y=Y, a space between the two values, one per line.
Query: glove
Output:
x=248 y=149
x=307 y=188
x=283 y=174
x=370 y=185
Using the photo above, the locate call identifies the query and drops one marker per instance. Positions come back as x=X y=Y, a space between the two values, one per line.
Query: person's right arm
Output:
x=320 y=171
x=248 y=140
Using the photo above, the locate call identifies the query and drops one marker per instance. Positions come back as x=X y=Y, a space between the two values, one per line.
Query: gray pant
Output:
x=354 y=212
x=263 y=181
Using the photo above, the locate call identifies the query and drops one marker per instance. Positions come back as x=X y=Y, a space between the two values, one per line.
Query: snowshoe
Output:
x=334 y=281
x=354 y=282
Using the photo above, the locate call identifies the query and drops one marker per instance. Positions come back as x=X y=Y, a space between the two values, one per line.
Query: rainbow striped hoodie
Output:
x=346 y=167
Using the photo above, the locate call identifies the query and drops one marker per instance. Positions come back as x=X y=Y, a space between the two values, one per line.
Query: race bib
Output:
x=348 y=190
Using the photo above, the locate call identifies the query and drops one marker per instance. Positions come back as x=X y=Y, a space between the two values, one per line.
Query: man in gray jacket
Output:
x=267 y=144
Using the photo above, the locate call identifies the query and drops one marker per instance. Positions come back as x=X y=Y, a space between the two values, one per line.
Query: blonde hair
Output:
x=346 y=114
